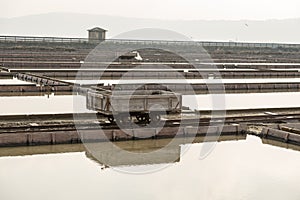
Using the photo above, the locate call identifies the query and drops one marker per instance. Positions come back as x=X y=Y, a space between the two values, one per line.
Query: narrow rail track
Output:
x=32 y=123
x=58 y=129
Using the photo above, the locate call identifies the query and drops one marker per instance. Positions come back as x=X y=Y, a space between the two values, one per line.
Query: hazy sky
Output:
x=162 y=9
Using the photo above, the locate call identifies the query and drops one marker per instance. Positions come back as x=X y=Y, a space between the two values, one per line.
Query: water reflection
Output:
x=243 y=169
x=112 y=156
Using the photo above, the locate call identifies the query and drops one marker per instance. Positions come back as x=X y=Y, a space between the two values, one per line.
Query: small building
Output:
x=97 y=34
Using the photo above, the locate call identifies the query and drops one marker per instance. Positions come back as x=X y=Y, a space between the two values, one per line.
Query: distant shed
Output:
x=97 y=34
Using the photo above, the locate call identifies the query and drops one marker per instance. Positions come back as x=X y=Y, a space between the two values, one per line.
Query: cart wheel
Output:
x=111 y=119
x=147 y=118
x=140 y=118
x=155 y=117
x=122 y=120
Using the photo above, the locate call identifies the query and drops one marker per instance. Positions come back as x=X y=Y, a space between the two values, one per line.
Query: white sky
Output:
x=162 y=9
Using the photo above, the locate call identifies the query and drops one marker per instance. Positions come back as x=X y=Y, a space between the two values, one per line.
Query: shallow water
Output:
x=243 y=169
x=77 y=104
x=10 y=105
x=13 y=81
x=242 y=101
x=45 y=104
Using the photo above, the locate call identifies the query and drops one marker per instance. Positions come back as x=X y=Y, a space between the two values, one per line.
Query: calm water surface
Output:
x=238 y=168
x=44 y=104
x=13 y=81
x=70 y=104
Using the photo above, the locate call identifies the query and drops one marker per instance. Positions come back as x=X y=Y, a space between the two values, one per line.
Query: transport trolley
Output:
x=144 y=105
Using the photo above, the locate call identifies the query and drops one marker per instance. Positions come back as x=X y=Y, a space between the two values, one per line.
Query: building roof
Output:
x=98 y=29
